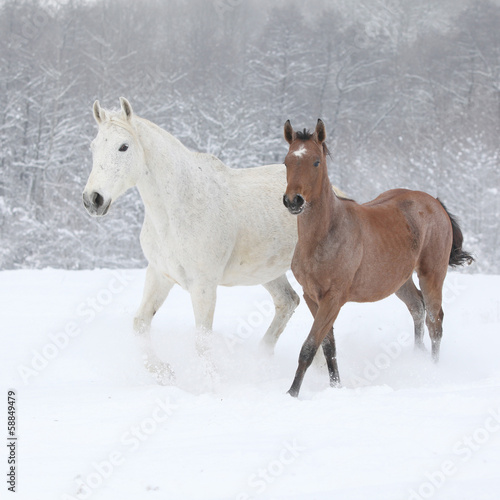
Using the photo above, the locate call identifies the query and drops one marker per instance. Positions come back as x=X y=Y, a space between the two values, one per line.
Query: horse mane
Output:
x=306 y=135
x=115 y=117
x=116 y=120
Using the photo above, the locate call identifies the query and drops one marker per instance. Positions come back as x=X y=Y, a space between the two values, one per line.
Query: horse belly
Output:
x=252 y=264
x=391 y=247
x=371 y=293
x=381 y=279
x=178 y=261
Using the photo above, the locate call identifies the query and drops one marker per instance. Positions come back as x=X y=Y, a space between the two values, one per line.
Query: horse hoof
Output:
x=420 y=347
x=165 y=375
x=162 y=372
x=140 y=326
x=203 y=341
x=266 y=348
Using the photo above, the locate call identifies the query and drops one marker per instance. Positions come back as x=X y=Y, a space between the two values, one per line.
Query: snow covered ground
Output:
x=91 y=423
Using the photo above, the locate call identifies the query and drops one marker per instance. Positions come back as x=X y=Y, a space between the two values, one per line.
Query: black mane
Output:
x=305 y=135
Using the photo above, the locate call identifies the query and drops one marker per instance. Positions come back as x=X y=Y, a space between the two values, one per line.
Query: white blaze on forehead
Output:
x=300 y=152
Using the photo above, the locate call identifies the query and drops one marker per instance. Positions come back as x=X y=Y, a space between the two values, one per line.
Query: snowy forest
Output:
x=409 y=91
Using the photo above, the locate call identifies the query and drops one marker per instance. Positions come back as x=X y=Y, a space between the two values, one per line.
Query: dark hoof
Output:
x=420 y=347
x=435 y=351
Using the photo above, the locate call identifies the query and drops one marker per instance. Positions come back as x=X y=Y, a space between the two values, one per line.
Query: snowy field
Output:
x=91 y=423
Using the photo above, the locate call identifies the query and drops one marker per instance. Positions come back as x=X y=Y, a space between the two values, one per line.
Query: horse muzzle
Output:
x=95 y=204
x=296 y=205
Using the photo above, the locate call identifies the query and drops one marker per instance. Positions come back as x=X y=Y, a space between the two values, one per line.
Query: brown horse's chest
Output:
x=324 y=267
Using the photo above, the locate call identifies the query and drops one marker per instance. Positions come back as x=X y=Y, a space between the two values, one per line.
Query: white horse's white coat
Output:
x=205 y=224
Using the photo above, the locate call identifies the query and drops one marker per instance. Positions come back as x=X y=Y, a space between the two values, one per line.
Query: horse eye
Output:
x=316 y=163
x=123 y=147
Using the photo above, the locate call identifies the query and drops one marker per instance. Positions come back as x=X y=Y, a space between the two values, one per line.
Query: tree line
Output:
x=409 y=92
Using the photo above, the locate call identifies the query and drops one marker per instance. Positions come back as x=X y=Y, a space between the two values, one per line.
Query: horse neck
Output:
x=322 y=214
x=168 y=163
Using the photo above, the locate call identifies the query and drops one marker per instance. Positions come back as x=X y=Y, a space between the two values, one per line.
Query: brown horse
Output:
x=348 y=252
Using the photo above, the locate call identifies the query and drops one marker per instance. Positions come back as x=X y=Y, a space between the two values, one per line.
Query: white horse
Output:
x=199 y=229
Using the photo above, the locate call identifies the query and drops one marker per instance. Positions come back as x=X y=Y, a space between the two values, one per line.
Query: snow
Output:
x=92 y=423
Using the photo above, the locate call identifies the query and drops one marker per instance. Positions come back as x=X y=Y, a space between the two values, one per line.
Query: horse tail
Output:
x=458 y=256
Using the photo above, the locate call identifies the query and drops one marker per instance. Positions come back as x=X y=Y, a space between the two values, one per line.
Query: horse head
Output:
x=118 y=158
x=305 y=163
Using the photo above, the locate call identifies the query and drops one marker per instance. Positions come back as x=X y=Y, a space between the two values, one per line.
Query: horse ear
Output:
x=99 y=113
x=320 y=131
x=289 y=133
x=126 y=108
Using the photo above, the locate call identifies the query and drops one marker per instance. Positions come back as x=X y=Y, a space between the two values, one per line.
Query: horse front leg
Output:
x=328 y=345
x=326 y=314
x=156 y=289
x=203 y=298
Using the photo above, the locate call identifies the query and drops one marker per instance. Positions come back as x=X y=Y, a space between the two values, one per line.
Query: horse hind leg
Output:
x=330 y=352
x=435 y=326
x=432 y=291
x=285 y=302
x=414 y=301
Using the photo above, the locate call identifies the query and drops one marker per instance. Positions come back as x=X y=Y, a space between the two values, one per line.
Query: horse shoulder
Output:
x=211 y=161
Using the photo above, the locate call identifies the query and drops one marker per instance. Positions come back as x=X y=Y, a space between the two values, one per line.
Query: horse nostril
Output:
x=96 y=199
x=298 y=201
x=286 y=201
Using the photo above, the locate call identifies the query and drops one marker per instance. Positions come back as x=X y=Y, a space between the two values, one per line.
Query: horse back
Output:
x=402 y=231
x=416 y=214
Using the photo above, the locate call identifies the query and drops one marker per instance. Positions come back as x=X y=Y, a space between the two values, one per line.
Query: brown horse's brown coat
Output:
x=347 y=252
